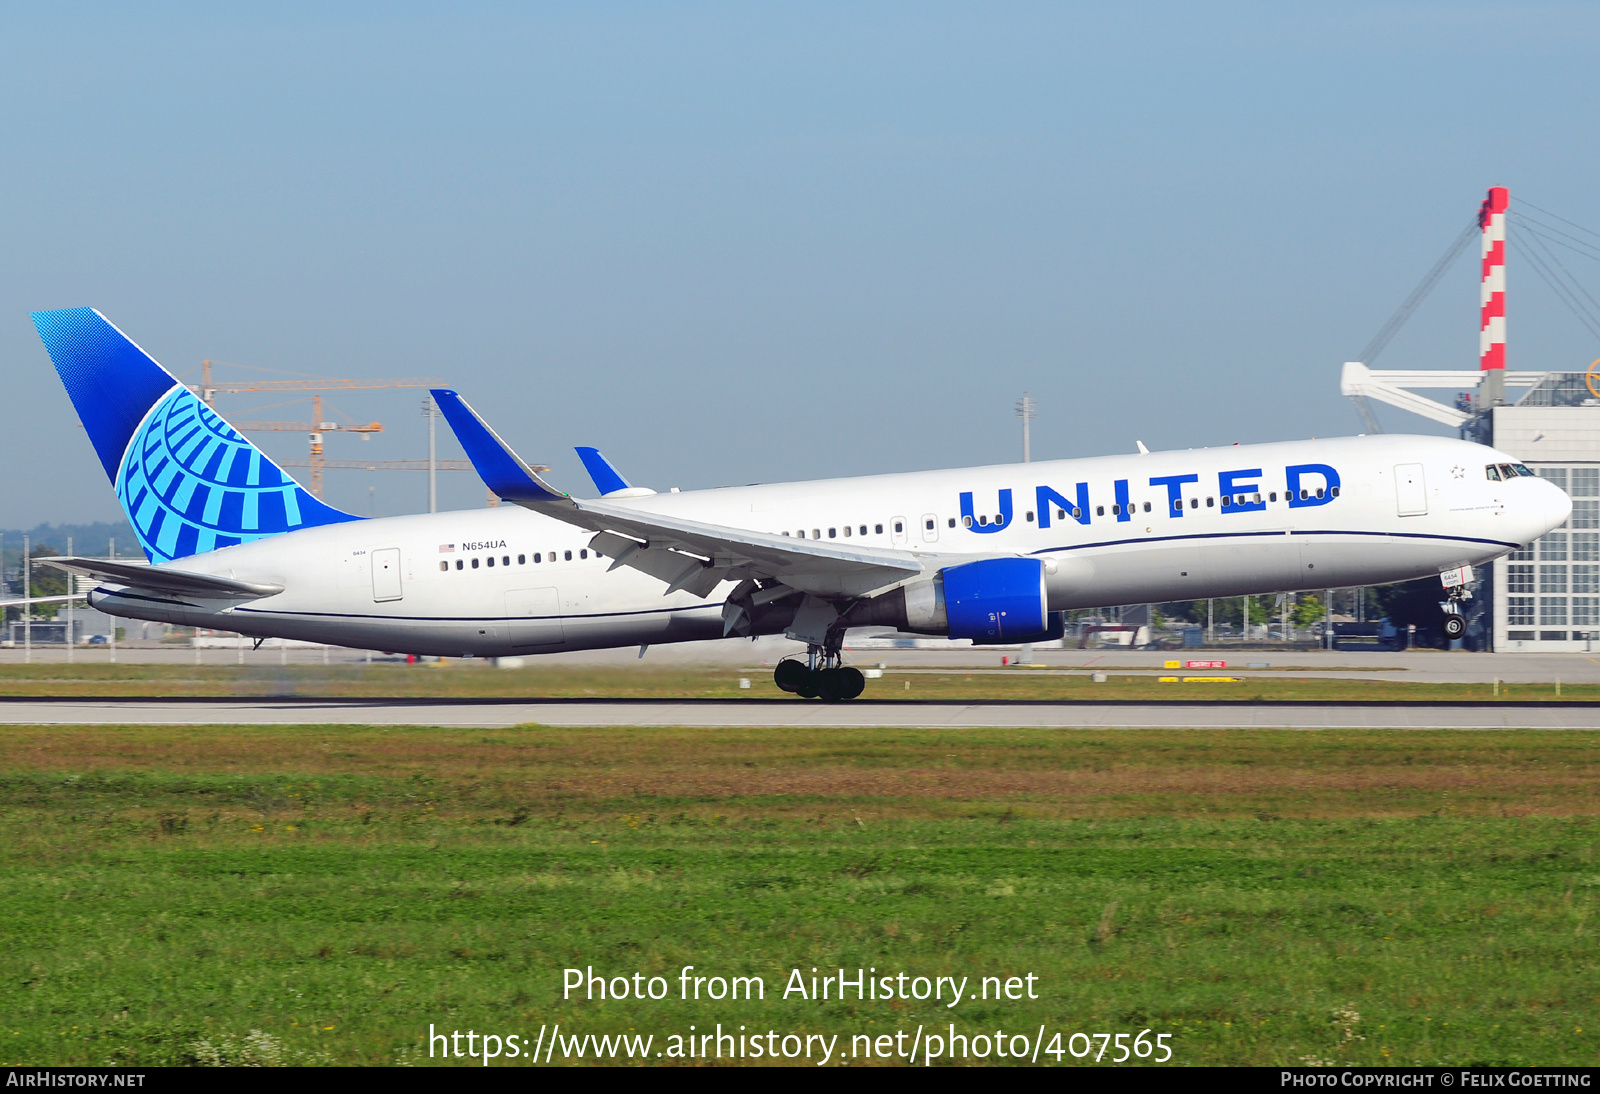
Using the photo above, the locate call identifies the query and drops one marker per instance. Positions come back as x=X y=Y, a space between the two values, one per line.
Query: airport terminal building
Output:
x=1546 y=598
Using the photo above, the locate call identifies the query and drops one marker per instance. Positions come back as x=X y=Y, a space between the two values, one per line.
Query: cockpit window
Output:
x=1493 y=472
x=1507 y=472
x=1523 y=471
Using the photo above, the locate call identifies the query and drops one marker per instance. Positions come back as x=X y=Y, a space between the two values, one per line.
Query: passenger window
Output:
x=1116 y=510
x=952 y=522
x=1177 y=503
x=1272 y=496
x=930 y=525
x=899 y=527
x=583 y=554
x=1146 y=507
x=1256 y=499
x=505 y=560
x=567 y=555
x=1211 y=503
x=537 y=557
x=878 y=529
x=522 y=560
x=1319 y=491
x=833 y=533
x=1227 y=499
x=1492 y=473
x=846 y=531
x=816 y=533
x=474 y=564
x=1100 y=510
x=1334 y=492
x=1304 y=493
x=966 y=522
x=864 y=529
x=444 y=565
x=458 y=564
x=491 y=562
x=1030 y=516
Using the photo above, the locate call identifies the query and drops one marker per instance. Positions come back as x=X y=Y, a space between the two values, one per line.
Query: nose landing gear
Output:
x=820 y=676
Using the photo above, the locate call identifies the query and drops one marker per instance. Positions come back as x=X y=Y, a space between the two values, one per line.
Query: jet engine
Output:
x=994 y=600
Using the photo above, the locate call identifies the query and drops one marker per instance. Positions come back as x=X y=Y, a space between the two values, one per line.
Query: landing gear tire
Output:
x=790 y=675
x=1454 y=626
x=841 y=683
x=811 y=686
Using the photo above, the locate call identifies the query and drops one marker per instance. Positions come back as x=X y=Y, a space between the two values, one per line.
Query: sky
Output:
x=764 y=242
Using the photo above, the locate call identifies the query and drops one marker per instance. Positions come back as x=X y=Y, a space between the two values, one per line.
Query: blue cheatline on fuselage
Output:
x=187 y=480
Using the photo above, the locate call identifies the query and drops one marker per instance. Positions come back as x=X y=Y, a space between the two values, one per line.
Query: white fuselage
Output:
x=501 y=581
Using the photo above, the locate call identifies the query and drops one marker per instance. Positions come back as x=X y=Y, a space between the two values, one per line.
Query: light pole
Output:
x=431 y=412
x=27 y=604
x=71 y=578
x=113 y=552
x=1027 y=410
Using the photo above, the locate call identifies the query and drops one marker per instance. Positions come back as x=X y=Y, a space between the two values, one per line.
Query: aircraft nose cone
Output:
x=1558 y=508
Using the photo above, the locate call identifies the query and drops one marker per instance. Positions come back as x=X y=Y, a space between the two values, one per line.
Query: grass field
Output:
x=1266 y=897
x=478 y=679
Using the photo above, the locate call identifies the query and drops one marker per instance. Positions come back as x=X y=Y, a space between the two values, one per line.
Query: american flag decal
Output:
x=447 y=548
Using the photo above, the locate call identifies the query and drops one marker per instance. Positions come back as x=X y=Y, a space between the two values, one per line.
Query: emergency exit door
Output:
x=386 y=574
x=1410 y=490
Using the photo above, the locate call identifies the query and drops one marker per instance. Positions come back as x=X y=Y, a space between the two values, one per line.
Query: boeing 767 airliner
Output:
x=992 y=554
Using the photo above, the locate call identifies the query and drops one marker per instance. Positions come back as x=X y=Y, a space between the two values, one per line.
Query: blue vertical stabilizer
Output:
x=187 y=480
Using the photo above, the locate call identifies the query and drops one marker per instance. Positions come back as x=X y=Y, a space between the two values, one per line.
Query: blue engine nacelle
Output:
x=997 y=600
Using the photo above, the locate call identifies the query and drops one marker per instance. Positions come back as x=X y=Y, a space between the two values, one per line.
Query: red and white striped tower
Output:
x=1492 y=297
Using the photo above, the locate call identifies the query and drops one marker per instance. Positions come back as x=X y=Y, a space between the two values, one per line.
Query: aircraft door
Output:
x=1410 y=490
x=898 y=532
x=533 y=617
x=930 y=528
x=386 y=574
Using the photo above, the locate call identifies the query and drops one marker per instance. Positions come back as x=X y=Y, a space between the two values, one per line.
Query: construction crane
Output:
x=210 y=387
x=316 y=427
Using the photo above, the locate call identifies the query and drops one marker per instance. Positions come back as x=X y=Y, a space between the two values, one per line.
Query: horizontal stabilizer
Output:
x=162 y=579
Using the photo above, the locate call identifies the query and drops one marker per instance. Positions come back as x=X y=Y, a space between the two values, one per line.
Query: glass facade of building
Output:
x=1549 y=592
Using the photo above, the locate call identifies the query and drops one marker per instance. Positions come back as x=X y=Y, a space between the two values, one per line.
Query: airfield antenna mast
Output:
x=1027 y=410
x=1492 y=297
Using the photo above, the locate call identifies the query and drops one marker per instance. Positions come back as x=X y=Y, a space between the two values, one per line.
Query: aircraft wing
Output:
x=687 y=554
x=161 y=579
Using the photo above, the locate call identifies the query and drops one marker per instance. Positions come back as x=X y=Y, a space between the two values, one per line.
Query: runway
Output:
x=746 y=713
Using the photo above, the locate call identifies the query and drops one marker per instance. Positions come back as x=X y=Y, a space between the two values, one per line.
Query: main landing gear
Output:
x=820 y=676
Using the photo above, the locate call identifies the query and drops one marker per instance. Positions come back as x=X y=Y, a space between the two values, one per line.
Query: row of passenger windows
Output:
x=1228 y=500
x=522 y=560
x=850 y=529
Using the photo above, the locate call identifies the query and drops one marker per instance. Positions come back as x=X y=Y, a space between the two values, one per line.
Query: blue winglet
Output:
x=501 y=469
x=606 y=479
